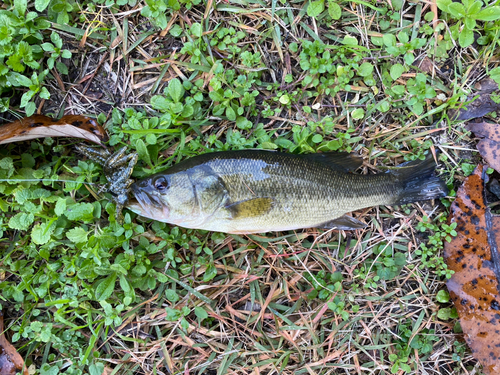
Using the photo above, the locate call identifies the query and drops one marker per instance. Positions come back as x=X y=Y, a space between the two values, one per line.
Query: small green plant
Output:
x=401 y=46
x=227 y=103
x=386 y=265
x=429 y=252
x=175 y=105
x=419 y=91
x=459 y=352
x=468 y=12
x=34 y=85
x=316 y=7
x=400 y=362
x=324 y=284
x=366 y=278
x=227 y=39
x=389 y=263
x=467 y=168
x=445 y=313
x=328 y=285
x=157 y=10
x=338 y=306
x=409 y=341
x=195 y=46
x=56 y=51
x=438 y=48
x=252 y=60
x=20 y=51
x=333 y=67
x=115 y=3
x=233 y=96
x=418 y=149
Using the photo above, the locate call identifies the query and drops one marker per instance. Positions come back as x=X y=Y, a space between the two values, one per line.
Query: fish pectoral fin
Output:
x=250 y=207
x=344 y=223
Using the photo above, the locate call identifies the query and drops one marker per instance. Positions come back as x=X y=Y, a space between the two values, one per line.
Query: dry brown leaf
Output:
x=473 y=255
x=489 y=147
x=11 y=361
x=38 y=126
x=426 y=65
x=482 y=103
x=486 y=130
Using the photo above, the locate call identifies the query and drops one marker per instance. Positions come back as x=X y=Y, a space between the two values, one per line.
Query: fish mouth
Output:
x=147 y=203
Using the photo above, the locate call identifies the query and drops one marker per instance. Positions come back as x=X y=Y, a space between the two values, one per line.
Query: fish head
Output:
x=165 y=197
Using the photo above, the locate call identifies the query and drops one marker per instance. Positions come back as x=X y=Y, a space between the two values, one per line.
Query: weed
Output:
x=467 y=13
x=56 y=51
x=422 y=342
x=445 y=313
x=20 y=52
x=227 y=39
x=429 y=252
x=324 y=284
x=156 y=11
x=419 y=91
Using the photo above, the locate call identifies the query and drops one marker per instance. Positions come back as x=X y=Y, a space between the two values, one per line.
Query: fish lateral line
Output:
x=251 y=191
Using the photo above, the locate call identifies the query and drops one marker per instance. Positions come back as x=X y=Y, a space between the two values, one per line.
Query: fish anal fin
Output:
x=340 y=161
x=343 y=223
x=250 y=208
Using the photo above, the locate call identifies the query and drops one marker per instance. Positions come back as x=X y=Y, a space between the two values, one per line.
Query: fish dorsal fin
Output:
x=250 y=208
x=344 y=223
x=339 y=161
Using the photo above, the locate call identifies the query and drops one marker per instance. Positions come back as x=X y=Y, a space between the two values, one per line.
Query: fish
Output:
x=258 y=191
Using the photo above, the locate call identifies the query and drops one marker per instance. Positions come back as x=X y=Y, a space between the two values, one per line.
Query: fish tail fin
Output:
x=419 y=181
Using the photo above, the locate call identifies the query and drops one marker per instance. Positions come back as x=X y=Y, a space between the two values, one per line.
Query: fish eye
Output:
x=161 y=184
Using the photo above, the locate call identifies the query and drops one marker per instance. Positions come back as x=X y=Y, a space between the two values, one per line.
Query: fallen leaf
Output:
x=482 y=102
x=494 y=187
x=38 y=126
x=486 y=85
x=10 y=360
x=489 y=146
x=485 y=130
x=426 y=65
x=474 y=256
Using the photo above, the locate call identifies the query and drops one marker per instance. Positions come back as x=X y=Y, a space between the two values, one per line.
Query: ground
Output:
x=83 y=293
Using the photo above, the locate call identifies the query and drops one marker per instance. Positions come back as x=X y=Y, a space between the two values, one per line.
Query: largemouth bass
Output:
x=255 y=191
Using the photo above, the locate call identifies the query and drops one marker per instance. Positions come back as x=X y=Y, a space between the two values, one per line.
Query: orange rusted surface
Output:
x=473 y=255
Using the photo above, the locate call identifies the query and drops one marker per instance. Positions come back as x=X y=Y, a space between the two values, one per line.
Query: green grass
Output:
x=83 y=294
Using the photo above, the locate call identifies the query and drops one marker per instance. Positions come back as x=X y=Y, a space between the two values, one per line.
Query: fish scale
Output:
x=316 y=192
x=253 y=191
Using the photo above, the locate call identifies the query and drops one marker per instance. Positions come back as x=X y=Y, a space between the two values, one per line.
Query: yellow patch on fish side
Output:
x=250 y=208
